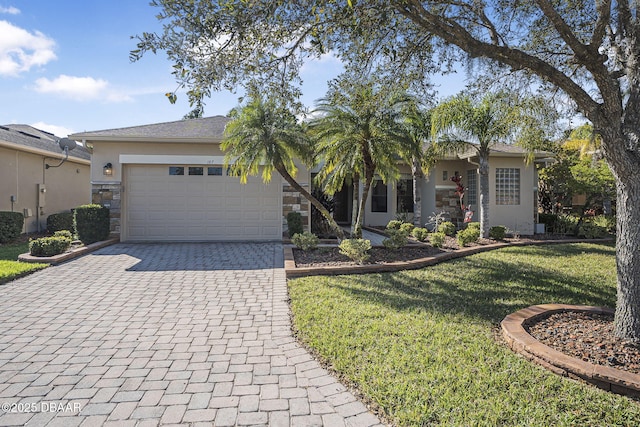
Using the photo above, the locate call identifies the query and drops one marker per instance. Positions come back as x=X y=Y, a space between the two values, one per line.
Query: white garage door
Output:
x=199 y=203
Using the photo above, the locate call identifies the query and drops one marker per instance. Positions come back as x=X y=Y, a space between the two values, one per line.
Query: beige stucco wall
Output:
x=519 y=218
x=66 y=187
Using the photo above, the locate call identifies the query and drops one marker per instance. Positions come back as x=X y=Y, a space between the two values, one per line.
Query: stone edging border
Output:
x=74 y=253
x=520 y=341
x=292 y=271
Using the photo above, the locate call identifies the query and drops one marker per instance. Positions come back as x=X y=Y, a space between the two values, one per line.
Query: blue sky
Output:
x=64 y=68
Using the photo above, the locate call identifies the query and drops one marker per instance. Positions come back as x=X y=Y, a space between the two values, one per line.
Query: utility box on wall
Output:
x=42 y=191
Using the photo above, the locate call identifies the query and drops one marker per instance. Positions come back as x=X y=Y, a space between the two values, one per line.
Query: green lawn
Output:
x=422 y=344
x=10 y=268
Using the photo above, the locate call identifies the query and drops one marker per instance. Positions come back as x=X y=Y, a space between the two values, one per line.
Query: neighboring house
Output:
x=27 y=185
x=167 y=182
x=512 y=186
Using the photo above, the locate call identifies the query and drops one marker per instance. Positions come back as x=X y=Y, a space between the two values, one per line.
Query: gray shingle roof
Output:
x=206 y=129
x=505 y=149
x=28 y=136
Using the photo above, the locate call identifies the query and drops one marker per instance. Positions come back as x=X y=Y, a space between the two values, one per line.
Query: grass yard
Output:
x=10 y=268
x=422 y=344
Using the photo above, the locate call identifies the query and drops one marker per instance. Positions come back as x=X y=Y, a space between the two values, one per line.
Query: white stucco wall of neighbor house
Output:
x=27 y=186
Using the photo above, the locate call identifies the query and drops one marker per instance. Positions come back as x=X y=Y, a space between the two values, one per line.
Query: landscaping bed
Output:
x=588 y=337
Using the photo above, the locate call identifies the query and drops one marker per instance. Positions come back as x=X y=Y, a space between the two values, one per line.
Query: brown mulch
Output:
x=331 y=256
x=588 y=337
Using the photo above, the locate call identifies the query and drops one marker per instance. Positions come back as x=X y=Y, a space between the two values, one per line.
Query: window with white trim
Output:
x=507 y=186
x=471 y=193
x=378 y=196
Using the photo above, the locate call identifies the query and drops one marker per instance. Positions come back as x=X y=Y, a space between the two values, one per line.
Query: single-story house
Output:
x=34 y=179
x=513 y=188
x=167 y=182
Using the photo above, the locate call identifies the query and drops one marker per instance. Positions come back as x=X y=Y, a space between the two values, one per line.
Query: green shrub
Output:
x=305 y=241
x=394 y=224
x=407 y=227
x=466 y=236
x=447 y=228
x=590 y=230
x=396 y=239
x=437 y=239
x=49 y=246
x=420 y=234
x=606 y=222
x=475 y=225
x=60 y=221
x=356 y=249
x=63 y=233
x=91 y=222
x=11 y=224
x=498 y=232
x=294 y=223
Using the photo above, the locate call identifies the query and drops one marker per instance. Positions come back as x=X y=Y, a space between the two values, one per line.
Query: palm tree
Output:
x=358 y=135
x=262 y=136
x=417 y=123
x=460 y=124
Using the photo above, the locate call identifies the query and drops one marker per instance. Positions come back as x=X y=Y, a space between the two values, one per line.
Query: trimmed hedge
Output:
x=11 y=224
x=91 y=223
x=498 y=232
x=60 y=221
x=294 y=223
x=49 y=246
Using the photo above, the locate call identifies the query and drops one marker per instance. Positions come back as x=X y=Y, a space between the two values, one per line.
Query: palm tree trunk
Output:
x=363 y=204
x=354 y=203
x=416 y=173
x=315 y=202
x=484 y=196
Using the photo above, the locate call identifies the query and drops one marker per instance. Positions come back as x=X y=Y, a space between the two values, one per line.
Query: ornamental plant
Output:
x=437 y=239
x=396 y=239
x=356 y=249
x=468 y=235
x=306 y=241
x=447 y=228
x=420 y=234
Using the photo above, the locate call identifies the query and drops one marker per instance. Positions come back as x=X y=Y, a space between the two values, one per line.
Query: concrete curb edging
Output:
x=74 y=253
x=520 y=341
x=292 y=271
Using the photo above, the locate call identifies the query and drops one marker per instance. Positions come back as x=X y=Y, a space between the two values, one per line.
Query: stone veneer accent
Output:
x=447 y=200
x=293 y=201
x=108 y=194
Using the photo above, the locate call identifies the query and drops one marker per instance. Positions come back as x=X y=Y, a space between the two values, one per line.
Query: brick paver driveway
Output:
x=152 y=334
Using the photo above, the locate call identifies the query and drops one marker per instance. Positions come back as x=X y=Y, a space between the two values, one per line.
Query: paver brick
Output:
x=171 y=334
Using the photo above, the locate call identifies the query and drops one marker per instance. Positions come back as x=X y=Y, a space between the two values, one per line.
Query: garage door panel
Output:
x=160 y=206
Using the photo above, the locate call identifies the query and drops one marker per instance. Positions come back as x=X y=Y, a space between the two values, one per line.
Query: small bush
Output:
x=447 y=228
x=11 y=224
x=60 y=221
x=475 y=225
x=49 y=246
x=63 y=233
x=356 y=249
x=91 y=222
x=466 y=236
x=437 y=239
x=407 y=228
x=590 y=230
x=294 y=223
x=606 y=222
x=396 y=239
x=498 y=232
x=305 y=241
x=394 y=224
x=420 y=234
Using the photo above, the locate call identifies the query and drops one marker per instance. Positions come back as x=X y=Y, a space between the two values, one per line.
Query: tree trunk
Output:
x=363 y=204
x=354 y=203
x=484 y=195
x=416 y=172
x=627 y=320
x=315 y=202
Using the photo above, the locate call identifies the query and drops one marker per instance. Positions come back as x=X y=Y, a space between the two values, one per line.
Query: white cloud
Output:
x=21 y=50
x=60 y=131
x=10 y=10
x=80 y=89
